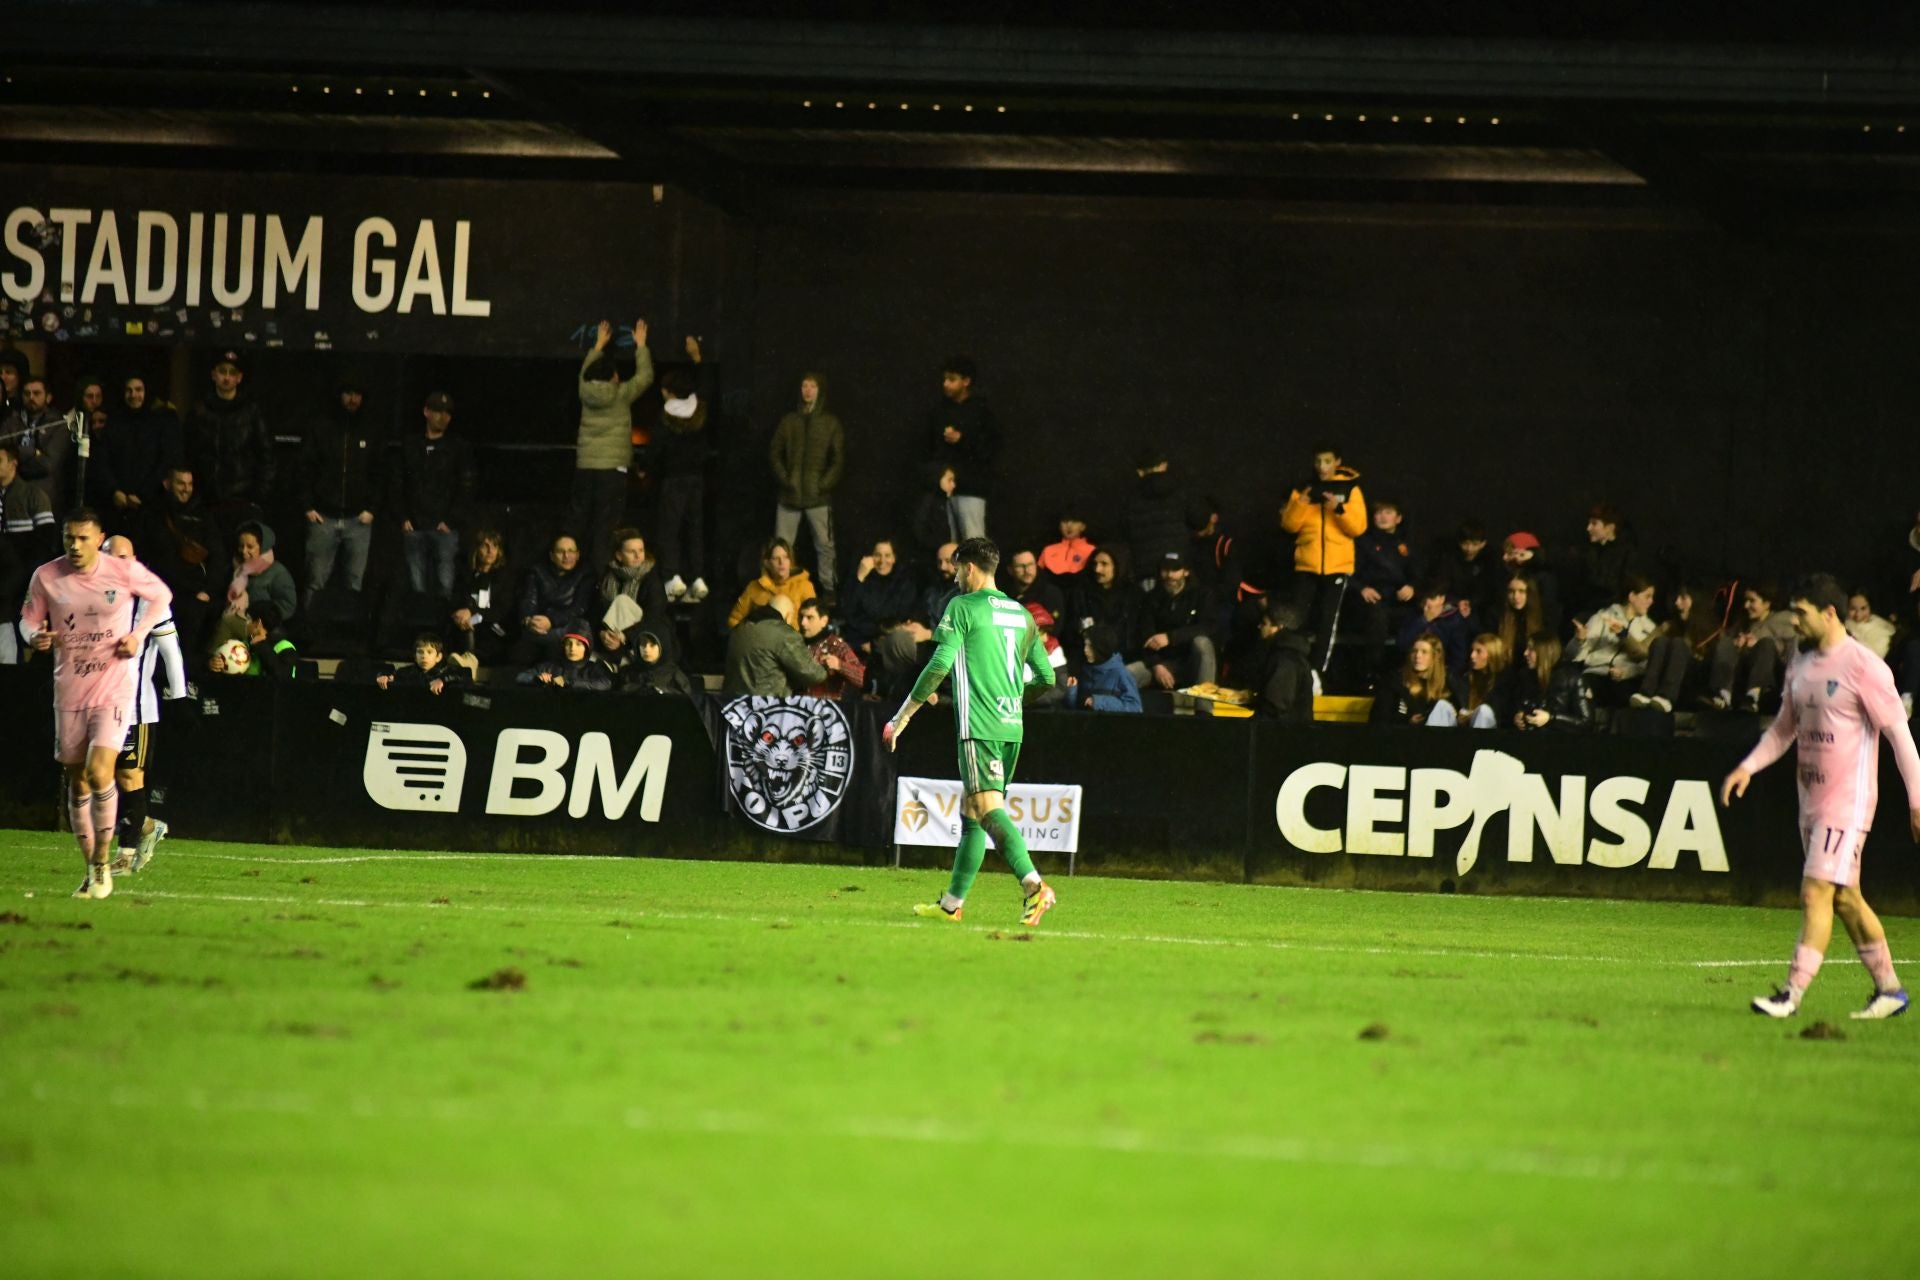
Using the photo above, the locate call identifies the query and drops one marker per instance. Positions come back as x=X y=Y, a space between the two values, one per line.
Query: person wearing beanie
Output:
x=678 y=458
x=807 y=454
x=573 y=671
x=604 y=452
x=229 y=444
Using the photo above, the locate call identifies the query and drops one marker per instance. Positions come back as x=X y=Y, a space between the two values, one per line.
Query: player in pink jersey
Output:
x=81 y=607
x=1837 y=700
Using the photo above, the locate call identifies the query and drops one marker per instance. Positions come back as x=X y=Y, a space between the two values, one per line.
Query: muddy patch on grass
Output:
x=60 y=1010
x=1823 y=1031
x=1375 y=1031
x=997 y=936
x=508 y=979
x=565 y=962
x=313 y=1030
x=12 y=917
x=1223 y=1037
x=379 y=983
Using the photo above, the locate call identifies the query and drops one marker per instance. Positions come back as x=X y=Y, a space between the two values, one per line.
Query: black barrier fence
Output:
x=1348 y=807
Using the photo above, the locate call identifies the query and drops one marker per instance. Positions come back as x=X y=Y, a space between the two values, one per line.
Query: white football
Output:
x=234 y=653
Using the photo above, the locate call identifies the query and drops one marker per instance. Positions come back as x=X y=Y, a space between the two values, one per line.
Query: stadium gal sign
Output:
x=1400 y=811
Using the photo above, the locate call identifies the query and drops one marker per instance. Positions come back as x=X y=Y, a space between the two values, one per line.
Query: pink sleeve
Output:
x=1886 y=712
x=33 y=613
x=1774 y=743
x=146 y=584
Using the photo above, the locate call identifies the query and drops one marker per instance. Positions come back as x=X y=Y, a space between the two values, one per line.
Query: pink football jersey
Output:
x=89 y=613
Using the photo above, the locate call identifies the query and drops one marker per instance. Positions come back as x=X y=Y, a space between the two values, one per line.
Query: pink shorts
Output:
x=1833 y=854
x=88 y=727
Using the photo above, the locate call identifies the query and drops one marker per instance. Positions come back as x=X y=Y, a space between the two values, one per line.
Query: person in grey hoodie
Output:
x=808 y=452
x=605 y=446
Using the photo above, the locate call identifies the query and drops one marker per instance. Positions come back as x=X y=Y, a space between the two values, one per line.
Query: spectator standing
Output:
x=181 y=540
x=965 y=436
x=1382 y=587
x=1178 y=630
x=14 y=373
x=555 y=598
x=766 y=656
x=229 y=445
x=28 y=538
x=807 y=454
x=483 y=615
x=337 y=488
x=846 y=673
x=882 y=591
x=777 y=577
x=935 y=520
x=1156 y=518
x=1604 y=563
x=1324 y=517
x=44 y=440
x=604 y=452
x=681 y=447
x=433 y=493
x=134 y=456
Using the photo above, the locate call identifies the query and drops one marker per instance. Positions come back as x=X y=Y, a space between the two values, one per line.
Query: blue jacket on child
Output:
x=1108 y=681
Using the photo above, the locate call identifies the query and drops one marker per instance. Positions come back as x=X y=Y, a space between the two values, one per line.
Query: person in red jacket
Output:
x=1324 y=517
x=846 y=676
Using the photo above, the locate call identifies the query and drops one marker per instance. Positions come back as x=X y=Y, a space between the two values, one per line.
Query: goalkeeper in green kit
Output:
x=995 y=653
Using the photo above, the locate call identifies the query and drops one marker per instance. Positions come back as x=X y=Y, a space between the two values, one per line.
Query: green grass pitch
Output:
x=257 y=1061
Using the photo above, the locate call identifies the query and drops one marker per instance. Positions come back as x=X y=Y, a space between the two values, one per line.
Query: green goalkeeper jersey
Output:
x=994 y=650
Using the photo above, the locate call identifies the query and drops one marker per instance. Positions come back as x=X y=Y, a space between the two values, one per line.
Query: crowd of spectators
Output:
x=1336 y=597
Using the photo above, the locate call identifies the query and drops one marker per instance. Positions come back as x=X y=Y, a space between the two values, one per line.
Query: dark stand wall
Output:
x=1746 y=402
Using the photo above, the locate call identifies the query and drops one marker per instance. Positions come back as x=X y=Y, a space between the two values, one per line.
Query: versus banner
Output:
x=284 y=260
x=927 y=811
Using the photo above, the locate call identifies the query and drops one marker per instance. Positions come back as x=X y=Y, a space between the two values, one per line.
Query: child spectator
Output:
x=273 y=653
x=1382 y=586
x=573 y=670
x=651 y=673
x=1056 y=693
x=847 y=674
x=1324 y=517
x=1417 y=695
x=1103 y=683
x=1439 y=615
x=1470 y=573
x=882 y=591
x=430 y=670
x=1601 y=569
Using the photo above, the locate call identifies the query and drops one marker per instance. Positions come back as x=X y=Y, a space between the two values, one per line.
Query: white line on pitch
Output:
x=1077 y=935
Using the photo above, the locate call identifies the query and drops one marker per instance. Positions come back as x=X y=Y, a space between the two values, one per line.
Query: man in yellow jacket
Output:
x=1324 y=518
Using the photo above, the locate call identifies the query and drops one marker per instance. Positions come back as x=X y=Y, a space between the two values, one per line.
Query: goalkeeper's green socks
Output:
x=966 y=863
x=1011 y=844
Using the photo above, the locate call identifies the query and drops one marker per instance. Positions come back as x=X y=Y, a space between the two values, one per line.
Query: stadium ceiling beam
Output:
x=1670 y=169
x=1093 y=60
x=638 y=136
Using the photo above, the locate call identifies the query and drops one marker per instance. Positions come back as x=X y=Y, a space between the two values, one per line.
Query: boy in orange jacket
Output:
x=1324 y=518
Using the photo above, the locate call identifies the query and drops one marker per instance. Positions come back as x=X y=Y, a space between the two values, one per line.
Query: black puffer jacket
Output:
x=435 y=481
x=338 y=459
x=230 y=450
x=1156 y=520
x=564 y=599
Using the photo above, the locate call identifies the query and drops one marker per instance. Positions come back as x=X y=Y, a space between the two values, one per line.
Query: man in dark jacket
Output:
x=1025 y=585
x=766 y=656
x=182 y=542
x=1178 y=630
x=1156 y=521
x=433 y=491
x=1285 y=672
x=1602 y=565
x=1381 y=590
x=554 y=600
x=132 y=457
x=28 y=538
x=808 y=453
x=678 y=458
x=44 y=440
x=229 y=445
x=964 y=435
x=337 y=461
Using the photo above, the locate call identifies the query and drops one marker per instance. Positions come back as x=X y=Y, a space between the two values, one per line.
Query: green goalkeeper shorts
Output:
x=987 y=766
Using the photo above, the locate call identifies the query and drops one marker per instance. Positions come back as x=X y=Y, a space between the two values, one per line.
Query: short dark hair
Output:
x=1285 y=614
x=11 y=448
x=1822 y=591
x=1766 y=588
x=1634 y=583
x=978 y=552
x=625 y=533
x=181 y=468
x=814 y=603
x=1439 y=587
x=963 y=366
x=265 y=614
x=84 y=515
x=1327 y=446
x=678 y=384
x=1470 y=531
x=1149 y=457
x=31 y=379
x=431 y=640
x=1103 y=640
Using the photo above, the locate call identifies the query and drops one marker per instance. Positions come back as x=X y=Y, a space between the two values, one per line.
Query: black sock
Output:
x=133 y=816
